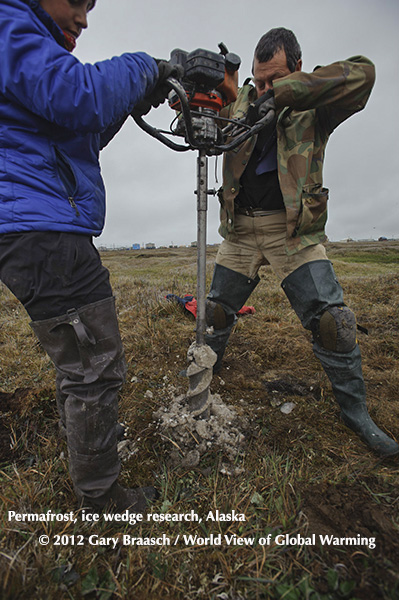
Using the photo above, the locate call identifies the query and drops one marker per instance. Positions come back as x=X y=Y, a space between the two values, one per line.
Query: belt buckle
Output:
x=244 y=210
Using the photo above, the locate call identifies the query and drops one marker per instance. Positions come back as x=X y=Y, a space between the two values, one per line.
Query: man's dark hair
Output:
x=279 y=39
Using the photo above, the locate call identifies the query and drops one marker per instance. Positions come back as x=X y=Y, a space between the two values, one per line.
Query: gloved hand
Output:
x=258 y=109
x=162 y=87
x=166 y=69
x=142 y=108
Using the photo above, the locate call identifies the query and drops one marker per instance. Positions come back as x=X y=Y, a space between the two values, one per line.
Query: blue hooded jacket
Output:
x=55 y=116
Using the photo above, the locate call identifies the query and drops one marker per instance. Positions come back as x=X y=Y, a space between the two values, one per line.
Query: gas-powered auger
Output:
x=210 y=82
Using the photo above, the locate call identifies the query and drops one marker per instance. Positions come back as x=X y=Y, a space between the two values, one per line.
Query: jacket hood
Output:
x=47 y=21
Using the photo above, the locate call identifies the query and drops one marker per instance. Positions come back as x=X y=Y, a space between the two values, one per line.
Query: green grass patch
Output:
x=373 y=258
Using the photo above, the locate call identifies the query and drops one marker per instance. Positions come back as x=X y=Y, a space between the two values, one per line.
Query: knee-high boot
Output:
x=228 y=294
x=60 y=398
x=86 y=349
x=314 y=293
x=345 y=374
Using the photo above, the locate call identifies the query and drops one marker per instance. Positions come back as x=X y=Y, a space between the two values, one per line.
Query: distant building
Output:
x=135 y=246
x=150 y=246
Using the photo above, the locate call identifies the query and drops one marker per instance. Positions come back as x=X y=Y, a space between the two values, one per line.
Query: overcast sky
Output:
x=150 y=187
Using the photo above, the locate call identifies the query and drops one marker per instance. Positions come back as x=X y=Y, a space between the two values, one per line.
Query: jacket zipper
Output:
x=73 y=204
x=61 y=159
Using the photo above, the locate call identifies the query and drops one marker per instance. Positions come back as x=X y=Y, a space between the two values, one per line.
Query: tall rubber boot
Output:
x=345 y=374
x=228 y=294
x=86 y=349
x=60 y=398
x=311 y=289
x=314 y=293
x=218 y=340
x=60 y=401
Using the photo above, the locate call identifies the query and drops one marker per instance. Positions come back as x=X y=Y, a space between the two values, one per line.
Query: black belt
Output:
x=255 y=212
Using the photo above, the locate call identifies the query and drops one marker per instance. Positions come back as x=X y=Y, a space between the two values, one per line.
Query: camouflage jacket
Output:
x=309 y=106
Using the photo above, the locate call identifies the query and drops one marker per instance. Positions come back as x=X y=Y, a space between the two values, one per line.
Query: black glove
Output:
x=142 y=108
x=161 y=89
x=167 y=69
x=258 y=109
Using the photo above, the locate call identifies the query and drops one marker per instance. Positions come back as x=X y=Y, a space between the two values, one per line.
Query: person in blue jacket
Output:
x=56 y=114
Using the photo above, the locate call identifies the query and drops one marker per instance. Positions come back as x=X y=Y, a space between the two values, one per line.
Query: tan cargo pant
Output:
x=261 y=241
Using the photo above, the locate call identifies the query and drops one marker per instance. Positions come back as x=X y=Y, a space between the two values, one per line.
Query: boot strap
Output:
x=84 y=336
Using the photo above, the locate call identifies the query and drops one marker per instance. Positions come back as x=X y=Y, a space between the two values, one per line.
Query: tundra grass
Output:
x=301 y=474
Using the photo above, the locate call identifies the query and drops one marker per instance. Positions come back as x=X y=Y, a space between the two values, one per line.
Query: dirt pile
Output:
x=188 y=437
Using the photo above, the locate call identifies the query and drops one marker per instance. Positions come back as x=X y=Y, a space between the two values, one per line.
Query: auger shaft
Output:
x=202 y=207
x=200 y=356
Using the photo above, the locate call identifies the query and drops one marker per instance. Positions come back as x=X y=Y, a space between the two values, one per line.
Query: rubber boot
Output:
x=119 y=499
x=218 y=340
x=228 y=294
x=345 y=374
x=86 y=349
x=60 y=401
x=60 y=398
x=312 y=289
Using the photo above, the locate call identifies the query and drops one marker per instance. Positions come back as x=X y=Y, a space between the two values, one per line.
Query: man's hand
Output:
x=258 y=109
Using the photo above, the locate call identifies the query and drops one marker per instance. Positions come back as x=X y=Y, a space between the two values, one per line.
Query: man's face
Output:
x=70 y=15
x=266 y=72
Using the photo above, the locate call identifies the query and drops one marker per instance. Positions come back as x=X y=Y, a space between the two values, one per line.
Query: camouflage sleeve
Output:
x=238 y=108
x=342 y=87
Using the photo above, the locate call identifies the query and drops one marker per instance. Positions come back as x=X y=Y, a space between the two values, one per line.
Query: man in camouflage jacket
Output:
x=274 y=211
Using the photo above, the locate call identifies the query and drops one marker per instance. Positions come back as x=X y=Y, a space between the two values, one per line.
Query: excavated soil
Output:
x=188 y=438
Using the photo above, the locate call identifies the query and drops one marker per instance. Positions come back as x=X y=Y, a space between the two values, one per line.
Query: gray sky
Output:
x=150 y=187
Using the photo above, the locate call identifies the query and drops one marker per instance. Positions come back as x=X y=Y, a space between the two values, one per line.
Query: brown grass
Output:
x=301 y=473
